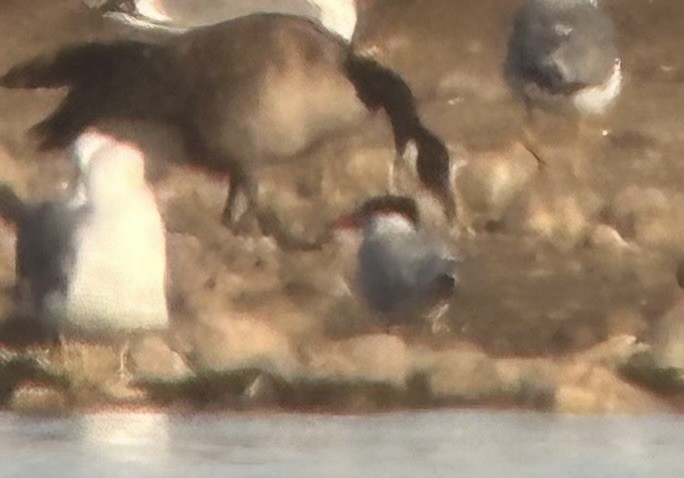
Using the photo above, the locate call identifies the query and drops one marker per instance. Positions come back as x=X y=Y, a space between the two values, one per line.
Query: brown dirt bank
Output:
x=563 y=270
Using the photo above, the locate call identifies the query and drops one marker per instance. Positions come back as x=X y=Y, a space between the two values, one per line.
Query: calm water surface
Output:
x=463 y=444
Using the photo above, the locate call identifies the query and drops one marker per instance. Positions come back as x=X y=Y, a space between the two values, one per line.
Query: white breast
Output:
x=118 y=282
x=596 y=100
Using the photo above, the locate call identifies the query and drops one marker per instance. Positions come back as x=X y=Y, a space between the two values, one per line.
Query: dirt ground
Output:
x=567 y=258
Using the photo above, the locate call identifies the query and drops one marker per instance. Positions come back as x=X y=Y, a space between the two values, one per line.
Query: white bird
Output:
x=95 y=267
x=403 y=273
x=179 y=16
x=118 y=280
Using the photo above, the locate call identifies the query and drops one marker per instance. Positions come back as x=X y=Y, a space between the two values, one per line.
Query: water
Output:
x=464 y=444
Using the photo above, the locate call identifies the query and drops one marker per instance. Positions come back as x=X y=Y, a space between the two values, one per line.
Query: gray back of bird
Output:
x=561 y=46
x=45 y=250
x=402 y=274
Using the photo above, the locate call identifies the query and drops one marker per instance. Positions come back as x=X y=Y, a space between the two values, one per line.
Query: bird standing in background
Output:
x=403 y=273
x=562 y=56
x=179 y=16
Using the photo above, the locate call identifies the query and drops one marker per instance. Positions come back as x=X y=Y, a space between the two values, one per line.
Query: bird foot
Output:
x=244 y=224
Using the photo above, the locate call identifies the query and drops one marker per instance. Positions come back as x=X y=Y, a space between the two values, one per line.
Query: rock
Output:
x=122 y=390
x=234 y=342
x=561 y=217
x=586 y=388
x=530 y=383
x=262 y=392
x=668 y=339
x=151 y=358
x=88 y=364
x=615 y=352
x=626 y=322
x=35 y=398
x=378 y=358
x=191 y=272
x=652 y=217
x=606 y=238
x=468 y=375
x=490 y=182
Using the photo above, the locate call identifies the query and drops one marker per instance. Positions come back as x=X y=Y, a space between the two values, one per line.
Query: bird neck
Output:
x=338 y=16
x=152 y=9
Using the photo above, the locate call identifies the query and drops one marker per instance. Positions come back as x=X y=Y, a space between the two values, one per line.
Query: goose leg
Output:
x=241 y=206
x=123 y=359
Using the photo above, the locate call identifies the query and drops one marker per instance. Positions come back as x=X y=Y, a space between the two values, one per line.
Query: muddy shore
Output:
x=569 y=298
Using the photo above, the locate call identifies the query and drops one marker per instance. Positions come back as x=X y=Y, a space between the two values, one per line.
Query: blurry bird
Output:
x=179 y=16
x=245 y=92
x=403 y=273
x=94 y=268
x=562 y=56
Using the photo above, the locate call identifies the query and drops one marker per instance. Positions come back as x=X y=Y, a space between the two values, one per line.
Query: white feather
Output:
x=597 y=99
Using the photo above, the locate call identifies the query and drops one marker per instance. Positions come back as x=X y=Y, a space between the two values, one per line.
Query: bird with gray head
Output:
x=255 y=90
x=403 y=273
x=564 y=51
x=179 y=16
x=563 y=58
x=95 y=268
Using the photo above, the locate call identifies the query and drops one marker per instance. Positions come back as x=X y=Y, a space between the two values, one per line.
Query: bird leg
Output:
x=124 y=352
x=241 y=205
x=528 y=138
x=406 y=160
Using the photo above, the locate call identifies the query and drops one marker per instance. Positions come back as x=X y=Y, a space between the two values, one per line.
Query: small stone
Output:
x=627 y=322
x=490 y=182
x=239 y=342
x=380 y=358
x=152 y=358
x=607 y=238
x=586 y=388
x=463 y=375
x=650 y=216
x=680 y=274
x=122 y=390
x=563 y=218
x=35 y=398
x=615 y=352
x=668 y=338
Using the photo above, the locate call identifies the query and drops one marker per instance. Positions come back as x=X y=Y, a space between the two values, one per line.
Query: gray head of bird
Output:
x=398 y=213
